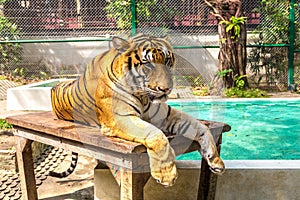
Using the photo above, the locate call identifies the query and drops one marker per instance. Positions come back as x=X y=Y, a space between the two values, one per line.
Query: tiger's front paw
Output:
x=164 y=173
x=162 y=164
x=216 y=165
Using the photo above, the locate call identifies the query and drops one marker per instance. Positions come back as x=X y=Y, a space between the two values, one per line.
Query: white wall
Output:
x=58 y=55
x=76 y=54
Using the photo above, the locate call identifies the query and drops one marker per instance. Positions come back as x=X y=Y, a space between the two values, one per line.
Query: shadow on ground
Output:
x=82 y=194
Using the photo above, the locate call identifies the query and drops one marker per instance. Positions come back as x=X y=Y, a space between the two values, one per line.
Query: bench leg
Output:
x=207 y=184
x=208 y=180
x=26 y=170
x=132 y=184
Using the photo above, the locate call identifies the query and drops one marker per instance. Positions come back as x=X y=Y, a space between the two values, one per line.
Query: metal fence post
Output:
x=291 y=46
x=133 y=17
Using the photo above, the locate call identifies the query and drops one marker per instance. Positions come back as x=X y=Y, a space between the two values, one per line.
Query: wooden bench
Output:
x=129 y=156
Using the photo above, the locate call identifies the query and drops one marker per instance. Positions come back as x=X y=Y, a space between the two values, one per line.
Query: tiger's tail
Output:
x=69 y=171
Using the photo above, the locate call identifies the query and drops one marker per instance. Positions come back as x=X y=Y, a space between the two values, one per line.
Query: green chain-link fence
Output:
x=52 y=38
x=296 y=61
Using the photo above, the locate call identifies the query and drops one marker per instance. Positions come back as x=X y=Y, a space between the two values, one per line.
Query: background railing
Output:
x=43 y=38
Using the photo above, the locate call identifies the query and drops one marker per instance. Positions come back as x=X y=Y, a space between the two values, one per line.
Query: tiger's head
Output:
x=145 y=63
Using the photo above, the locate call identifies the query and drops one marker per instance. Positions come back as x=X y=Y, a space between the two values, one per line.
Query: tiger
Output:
x=124 y=91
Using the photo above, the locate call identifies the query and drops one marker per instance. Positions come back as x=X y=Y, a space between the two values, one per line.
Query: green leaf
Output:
x=223 y=40
x=229 y=27
x=224 y=22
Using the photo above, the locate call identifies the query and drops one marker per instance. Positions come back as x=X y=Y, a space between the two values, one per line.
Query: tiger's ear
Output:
x=120 y=44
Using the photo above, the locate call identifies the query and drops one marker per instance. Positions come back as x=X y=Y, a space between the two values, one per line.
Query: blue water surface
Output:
x=260 y=129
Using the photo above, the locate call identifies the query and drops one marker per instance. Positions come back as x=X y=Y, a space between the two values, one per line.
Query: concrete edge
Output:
x=244 y=164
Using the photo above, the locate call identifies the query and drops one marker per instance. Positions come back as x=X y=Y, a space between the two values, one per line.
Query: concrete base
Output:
x=250 y=184
x=106 y=188
x=237 y=183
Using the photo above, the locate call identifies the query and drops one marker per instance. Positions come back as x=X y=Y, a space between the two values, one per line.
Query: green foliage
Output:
x=26 y=73
x=241 y=92
x=239 y=82
x=10 y=52
x=236 y=92
x=198 y=81
x=223 y=73
x=198 y=87
x=4 y=125
x=19 y=72
x=200 y=91
x=148 y=11
x=275 y=22
x=267 y=64
x=120 y=10
x=189 y=80
x=234 y=25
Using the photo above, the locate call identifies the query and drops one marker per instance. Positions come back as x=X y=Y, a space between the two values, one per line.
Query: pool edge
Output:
x=225 y=99
x=244 y=164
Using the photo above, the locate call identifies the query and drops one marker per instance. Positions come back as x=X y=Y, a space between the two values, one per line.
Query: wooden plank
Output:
x=46 y=122
x=92 y=136
x=26 y=170
x=40 y=121
x=118 y=158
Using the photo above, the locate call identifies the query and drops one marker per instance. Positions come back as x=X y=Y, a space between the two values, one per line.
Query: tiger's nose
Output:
x=163 y=89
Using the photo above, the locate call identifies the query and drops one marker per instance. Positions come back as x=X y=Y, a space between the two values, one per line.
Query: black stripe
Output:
x=117 y=85
x=158 y=108
x=68 y=97
x=147 y=52
x=125 y=115
x=85 y=93
x=140 y=38
x=137 y=56
x=183 y=128
x=78 y=100
x=171 y=128
x=169 y=111
x=131 y=105
x=148 y=107
x=112 y=76
x=90 y=97
x=60 y=90
x=129 y=63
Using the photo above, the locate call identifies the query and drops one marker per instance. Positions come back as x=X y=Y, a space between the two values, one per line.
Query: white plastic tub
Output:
x=34 y=96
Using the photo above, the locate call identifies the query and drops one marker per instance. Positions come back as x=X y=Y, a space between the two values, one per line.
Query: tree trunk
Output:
x=232 y=55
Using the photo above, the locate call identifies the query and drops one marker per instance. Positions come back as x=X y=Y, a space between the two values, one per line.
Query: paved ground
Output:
x=78 y=185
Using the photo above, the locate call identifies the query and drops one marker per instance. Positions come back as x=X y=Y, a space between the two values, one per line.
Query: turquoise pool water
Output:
x=267 y=129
